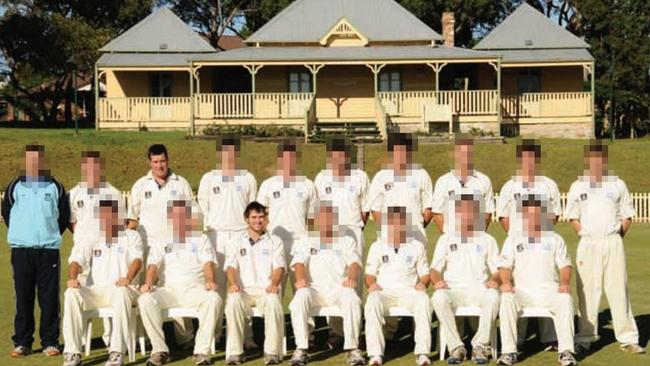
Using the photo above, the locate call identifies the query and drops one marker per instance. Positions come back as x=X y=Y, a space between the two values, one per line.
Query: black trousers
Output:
x=36 y=269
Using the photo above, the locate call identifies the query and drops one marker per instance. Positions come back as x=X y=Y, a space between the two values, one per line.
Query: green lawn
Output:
x=126 y=161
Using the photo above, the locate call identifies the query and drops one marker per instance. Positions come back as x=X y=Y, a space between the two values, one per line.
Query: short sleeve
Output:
x=299 y=254
x=440 y=193
x=263 y=194
x=206 y=252
x=572 y=210
x=555 y=198
x=375 y=200
x=507 y=257
x=279 y=257
x=135 y=200
x=135 y=246
x=203 y=195
x=488 y=195
x=81 y=253
x=156 y=256
x=312 y=197
x=427 y=191
x=73 y=205
x=186 y=187
x=626 y=207
x=504 y=201
x=372 y=262
x=351 y=252
x=492 y=254
x=252 y=187
x=439 y=260
x=422 y=264
x=562 y=258
x=232 y=261
x=364 y=186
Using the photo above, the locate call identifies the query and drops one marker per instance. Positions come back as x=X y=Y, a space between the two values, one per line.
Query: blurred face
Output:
x=33 y=162
x=159 y=166
x=528 y=163
x=400 y=157
x=396 y=225
x=532 y=219
x=287 y=162
x=463 y=157
x=228 y=157
x=91 y=171
x=257 y=221
x=325 y=220
x=181 y=218
x=597 y=164
x=338 y=161
x=107 y=218
x=467 y=212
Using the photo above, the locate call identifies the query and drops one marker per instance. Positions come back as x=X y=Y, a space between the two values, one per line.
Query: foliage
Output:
x=253 y=131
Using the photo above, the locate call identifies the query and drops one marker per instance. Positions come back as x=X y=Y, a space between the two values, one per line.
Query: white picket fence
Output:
x=641 y=202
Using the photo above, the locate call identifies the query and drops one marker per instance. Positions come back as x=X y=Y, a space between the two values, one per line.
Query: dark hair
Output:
x=463 y=140
x=90 y=154
x=400 y=139
x=338 y=144
x=529 y=146
x=39 y=148
x=113 y=204
x=228 y=139
x=287 y=145
x=396 y=210
x=596 y=147
x=254 y=206
x=157 y=149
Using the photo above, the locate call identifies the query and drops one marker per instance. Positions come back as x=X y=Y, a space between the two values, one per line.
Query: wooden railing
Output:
x=144 y=109
x=562 y=104
x=382 y=118
x=462 y=102
x=310 y=117
x=248 y=105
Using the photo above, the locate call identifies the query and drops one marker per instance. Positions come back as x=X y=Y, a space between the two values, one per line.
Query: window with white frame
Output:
x=299 y=82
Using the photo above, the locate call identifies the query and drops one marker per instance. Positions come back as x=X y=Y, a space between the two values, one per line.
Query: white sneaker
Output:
x=632 y=348
x=115 y=359
x=422 y=360
x=376 y=361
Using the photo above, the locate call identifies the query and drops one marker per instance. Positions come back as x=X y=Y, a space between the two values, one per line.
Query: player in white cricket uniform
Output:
x=290 y=198
x=255 y=268
x=462 y=177
x=404 y=184
x=397 y=274
x=84 y=198
x=183 y=265
x=327 y=273
x=223 y=195
x=527 y=270
x=527 y=182
x=114 y=258
x=464 y=273
x=600 y=210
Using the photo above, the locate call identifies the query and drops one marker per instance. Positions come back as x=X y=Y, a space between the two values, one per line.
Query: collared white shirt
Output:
x=108 y=262
x=255 y=261
x=413 y=190
x=327 y=264
x=84 y=207
x=289 y=203
x=449 y=185
x=181 y=264
x=600 y=208
x=148 y=204
x=397 y=270
x=534 y=264
x=223 y=199
x=466 y=262
x=348 y=195
x=513 y=192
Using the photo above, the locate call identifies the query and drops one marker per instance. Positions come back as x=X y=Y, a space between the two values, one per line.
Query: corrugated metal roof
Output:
x=161 y=32
x=374 y=53
x=310 y=20
x=546 y=55
x=527 y=28
x=145 y=59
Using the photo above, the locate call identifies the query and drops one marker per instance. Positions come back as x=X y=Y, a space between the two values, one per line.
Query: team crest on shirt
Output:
x=216 y=190
x=147 y=194
x=120 y=249
x=313 y=251
x=408 y=259
x=583 y=197
x=97 y=253
x=48 y=196
x=242 y=252
x=276 y=194
x=388 y=186
x=520 y=248
x=168 y=249
x=239 y=188
x=451 y=193
x=384 y=259
x=80 y=204
x=453 y=247
x=173 y=192
x=479 y=248
x=413 y=185
x=328 y=190
x=517 y=196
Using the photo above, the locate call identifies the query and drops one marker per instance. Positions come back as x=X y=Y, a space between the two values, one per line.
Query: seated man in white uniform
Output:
x=397 y=274
x=255 y=268
x=464 y=273
x=527 y=270
x=114 y=258
x=326 y=272
x=184 y=268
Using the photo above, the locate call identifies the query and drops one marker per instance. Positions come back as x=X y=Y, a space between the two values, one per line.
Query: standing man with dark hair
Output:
x=36 y=211
x=600 y=210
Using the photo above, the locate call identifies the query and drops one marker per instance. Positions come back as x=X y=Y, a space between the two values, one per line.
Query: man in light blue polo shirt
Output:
x=36 y=211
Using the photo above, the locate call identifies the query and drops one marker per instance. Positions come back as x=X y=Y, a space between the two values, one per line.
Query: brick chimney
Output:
x=448 y=25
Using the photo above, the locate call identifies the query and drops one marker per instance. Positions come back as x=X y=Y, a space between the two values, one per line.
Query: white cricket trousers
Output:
x=446 y=301
x=78 y=300
x=559 y=304
x=238 y=309
x=206 y=302
x=601 y=266
x=377 y=305
x=306 y=299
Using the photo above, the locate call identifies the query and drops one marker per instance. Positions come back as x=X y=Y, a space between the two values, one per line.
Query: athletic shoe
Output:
x=480 y=354
x=566 y=359
x=376 y=361
x=51 y=351
x=422 y=360
x=158 y=358
x=21 y=351
x=200 y=359
x=507 y=359
x=270 y=359
x=300 y=357
x=234 y=360
x=550 y=347
x=632 y=348
x=115 y=359
x=71 y=359
x=355 y=358
x=457 y=355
